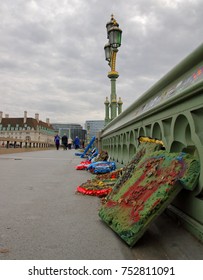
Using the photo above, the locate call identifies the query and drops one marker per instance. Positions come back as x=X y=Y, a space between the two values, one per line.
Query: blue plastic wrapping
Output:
x=101 y=167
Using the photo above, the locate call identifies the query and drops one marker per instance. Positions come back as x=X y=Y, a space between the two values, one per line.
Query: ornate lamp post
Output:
x=111 y=48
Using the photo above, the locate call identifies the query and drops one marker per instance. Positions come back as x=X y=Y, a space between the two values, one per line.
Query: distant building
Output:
x=93 y=127
x=26 y=130
x=71 y=130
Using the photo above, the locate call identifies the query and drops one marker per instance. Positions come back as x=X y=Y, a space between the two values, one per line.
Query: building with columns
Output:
x=71 y=130
x=93 y=127
x=26 y=131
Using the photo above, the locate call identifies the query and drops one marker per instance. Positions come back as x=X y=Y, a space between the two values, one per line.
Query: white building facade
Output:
x=26 y=131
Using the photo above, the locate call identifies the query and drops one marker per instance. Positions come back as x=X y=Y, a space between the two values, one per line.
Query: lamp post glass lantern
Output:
x=114 y=35
x=107 y=49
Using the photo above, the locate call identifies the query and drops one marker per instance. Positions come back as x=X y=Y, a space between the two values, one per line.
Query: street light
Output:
x=107 y=49
x=114 y=34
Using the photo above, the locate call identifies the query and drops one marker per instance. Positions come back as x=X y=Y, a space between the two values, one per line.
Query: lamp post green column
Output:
x=111 y=50
x=113 y=99
x=107 y=119
x=69 y=133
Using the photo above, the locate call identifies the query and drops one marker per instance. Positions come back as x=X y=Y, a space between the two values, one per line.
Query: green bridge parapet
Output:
x=172 y=111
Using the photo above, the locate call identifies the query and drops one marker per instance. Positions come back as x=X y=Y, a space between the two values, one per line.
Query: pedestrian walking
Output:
x=70 y=142
x=57 y=141
x=77 y=142
x=64 y=140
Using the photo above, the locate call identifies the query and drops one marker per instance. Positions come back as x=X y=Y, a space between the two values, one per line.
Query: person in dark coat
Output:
x=64 y=141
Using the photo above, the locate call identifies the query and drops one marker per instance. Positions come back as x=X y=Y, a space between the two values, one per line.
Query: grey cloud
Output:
x=54 y=53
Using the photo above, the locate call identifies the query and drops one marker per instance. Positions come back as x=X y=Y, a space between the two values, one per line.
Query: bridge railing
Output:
x=172 y=111
x=7 y=142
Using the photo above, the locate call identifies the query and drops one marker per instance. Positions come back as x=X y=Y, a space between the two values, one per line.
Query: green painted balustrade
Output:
x=172 y=111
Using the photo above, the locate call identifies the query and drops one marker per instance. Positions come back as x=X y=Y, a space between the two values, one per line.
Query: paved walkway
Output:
x=41 y=216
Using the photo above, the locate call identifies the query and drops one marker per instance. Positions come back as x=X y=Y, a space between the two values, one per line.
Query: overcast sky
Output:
x=52 y=53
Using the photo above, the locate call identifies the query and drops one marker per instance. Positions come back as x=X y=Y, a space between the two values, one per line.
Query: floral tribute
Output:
x=144 y=149
x=101 y=185
x=83 y=165
x=148 y=185
x=94 y=158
